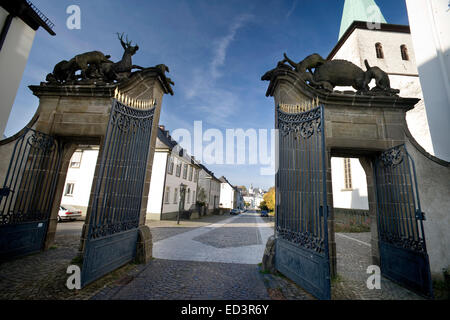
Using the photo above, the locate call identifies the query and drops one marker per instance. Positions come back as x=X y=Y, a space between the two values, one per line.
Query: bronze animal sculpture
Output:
x=121 y=69
x=340 y=73
x=381 y=79
x=95 y=65
x=328 y=74
x=92 y=58
x=312 y=61
x=269 y=74
x=62 y=71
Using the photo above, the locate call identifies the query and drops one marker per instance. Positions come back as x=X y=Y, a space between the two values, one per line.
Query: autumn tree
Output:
x=269 y=199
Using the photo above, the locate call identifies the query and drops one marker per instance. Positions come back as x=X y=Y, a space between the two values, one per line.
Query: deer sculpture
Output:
x=122 y=68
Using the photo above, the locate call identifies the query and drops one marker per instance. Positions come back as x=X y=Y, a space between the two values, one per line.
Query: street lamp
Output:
x=181 y=204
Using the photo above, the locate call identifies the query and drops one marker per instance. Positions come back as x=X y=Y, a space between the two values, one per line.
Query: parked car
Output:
x=68 y=213
x=264 y=213
x=234 y=211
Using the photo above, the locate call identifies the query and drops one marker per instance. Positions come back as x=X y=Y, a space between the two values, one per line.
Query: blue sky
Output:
x=216 y=52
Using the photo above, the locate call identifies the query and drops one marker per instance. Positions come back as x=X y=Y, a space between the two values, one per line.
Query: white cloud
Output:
x=294 y=4
x=215 y=104
x=222 y=44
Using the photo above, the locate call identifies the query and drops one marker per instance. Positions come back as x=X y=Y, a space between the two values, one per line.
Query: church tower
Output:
x=360 y=10
x=365 y=34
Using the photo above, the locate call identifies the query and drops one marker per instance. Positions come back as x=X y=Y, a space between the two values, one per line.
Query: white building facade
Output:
x=227 y=194
x=77 y=187
x=430 y=25
x=208 y=189
x=19 y=21
x=173 y=186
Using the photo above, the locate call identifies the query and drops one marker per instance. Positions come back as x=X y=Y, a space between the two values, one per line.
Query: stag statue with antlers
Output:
x=95 y=66
x=122 y=69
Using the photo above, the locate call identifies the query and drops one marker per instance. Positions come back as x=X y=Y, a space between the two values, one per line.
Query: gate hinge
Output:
x=420 y=215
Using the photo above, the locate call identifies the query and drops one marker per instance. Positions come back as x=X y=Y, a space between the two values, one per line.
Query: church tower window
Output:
x=404 y=52
x=379 y=50
x=347 y=174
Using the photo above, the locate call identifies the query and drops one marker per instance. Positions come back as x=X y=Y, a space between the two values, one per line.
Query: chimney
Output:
x=162 y=127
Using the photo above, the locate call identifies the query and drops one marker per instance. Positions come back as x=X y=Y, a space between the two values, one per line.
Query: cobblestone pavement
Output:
x=42 y=276
x=191 y=280
x=239 y=239
x=353 y=258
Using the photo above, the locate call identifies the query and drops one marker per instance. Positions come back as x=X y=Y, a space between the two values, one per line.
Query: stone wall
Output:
x=433 y=177
x=352 y=216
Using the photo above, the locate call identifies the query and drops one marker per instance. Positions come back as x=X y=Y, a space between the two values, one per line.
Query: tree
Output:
x=269 y=199
x=263 y=206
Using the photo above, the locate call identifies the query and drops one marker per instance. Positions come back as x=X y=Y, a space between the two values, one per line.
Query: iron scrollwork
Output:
x=127 y=118
x=393 y=157
x=41 y=141
x=303 y=124
x=306 y=240
x=134 y=126
x=410 y=243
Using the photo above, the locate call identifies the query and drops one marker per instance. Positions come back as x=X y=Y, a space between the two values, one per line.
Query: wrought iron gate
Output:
x=403 y=252
x=27 y=194
x=116 y=205
x=301 y=216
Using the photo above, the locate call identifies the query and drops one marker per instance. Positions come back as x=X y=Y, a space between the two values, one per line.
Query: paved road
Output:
x=217 y=261
x=211 y=258
x=238 y=239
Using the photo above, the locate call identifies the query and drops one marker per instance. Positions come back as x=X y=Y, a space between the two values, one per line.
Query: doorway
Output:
x=351 y=219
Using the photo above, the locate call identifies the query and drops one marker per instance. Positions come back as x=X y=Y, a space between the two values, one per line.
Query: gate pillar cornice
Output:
x=357 y=121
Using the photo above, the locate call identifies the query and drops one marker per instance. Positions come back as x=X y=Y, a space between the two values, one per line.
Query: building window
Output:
x=175 y=196
x=347 y=174
x=404 y=52
x=379 y=50
x=185 y=171
x=178 y=173
x=196 y=175
x=188 y=198
x=167 y=195
x=170 y=165
x=190 y=172
x=193 y=196
x=69 y=189
x=75 y=161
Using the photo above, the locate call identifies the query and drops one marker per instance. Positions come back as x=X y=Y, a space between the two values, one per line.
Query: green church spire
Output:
x=360 y=10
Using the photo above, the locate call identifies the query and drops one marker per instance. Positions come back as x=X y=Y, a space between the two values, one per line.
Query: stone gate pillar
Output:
x=78 y=114
x=355 y=126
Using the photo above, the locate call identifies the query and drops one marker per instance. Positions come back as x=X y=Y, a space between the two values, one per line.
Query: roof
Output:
x=208 y=172
x=165 y=138
x=386 y=27
x=224 y=180
x=360 y=10
x=28 y=13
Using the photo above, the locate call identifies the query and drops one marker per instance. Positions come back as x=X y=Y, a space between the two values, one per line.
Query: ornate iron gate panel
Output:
x=301 y=217
x=403 y=252
x=116 y=205
x=27 y=194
